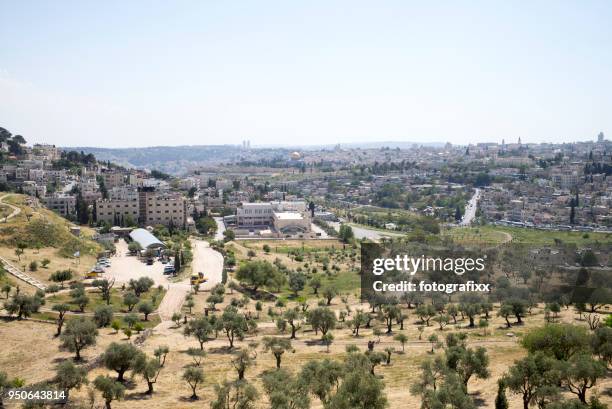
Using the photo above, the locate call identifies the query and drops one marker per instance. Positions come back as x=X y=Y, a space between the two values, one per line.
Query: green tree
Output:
x=193 y=376
x=79 y=297
x=501 y=402
x=293 y=317
x=142 y=285
x=149 y=369
x=329 y=292
x=277 y=346
x=601 y=342
x=161 y=352
x=561 y=341
x=105 y=286
x=69 y=376
x=61 y=276
x=425 y=312
x=199 y=328
x=130 y=300
x=473 y=362
x=61 y=310
x=581 y=373
x=233 y=324
x=322 y=377
x=322 y=319
x=297 y=281
x=345 y=233
x=121 y=358
x=285 y=391
x=236 y=395
x=80 y=333
x=23 y=305
x=109 y=388
x=402 y=339
x=530 y=374
x=146 y=308
x=315 y=283
x=103 y=315
x=258 y=273
x=243 y=360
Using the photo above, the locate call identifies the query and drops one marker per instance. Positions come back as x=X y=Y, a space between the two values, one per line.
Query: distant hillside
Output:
x=177 y=160
x=169 y=159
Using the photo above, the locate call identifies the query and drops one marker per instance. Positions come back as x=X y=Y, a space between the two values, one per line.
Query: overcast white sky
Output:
x=119 y=74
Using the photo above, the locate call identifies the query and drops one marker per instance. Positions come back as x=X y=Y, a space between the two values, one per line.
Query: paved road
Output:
x=208 y=261
x=365 y=233
x=220 y=228
x=470 y=209
x=317 y=229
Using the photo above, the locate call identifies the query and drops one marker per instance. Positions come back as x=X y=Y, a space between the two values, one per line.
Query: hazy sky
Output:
x=130 y=73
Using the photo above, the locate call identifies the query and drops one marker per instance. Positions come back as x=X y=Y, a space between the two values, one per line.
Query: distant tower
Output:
x=519 y=142
x=600 y=137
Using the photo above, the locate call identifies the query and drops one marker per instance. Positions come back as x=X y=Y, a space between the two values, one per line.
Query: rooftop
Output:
x=288 y=216
x=145 y=239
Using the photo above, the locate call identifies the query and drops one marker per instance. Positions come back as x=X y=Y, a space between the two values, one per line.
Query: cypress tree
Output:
x=501 y=402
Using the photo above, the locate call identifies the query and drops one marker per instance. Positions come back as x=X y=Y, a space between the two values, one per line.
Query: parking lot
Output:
x=125 y=267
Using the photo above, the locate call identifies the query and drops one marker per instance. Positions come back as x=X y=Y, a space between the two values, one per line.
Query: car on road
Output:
x=168 y=269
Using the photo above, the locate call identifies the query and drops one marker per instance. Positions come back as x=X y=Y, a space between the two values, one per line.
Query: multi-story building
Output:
x=123 y=193
x=112 y=178
x=45 y=151
x=32 y=188
x=146 y=207
x=165 y=209
x=117 y=210
x=64 y=205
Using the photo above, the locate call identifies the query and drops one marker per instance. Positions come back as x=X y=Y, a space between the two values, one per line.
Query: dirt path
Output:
x=16 y=210
x=173 y=300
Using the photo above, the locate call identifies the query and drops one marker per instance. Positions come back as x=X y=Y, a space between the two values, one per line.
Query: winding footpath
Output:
x=16 y=210
x=10 y=268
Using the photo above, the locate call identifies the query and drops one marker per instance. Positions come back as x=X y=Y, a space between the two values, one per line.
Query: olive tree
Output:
x=193 y=376
x=199 y=328
x=277 y=346
x=80 y=333
x=109 y=388
x=121 y=358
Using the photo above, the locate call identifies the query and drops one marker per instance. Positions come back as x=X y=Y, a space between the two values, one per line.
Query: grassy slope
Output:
x=46 y=235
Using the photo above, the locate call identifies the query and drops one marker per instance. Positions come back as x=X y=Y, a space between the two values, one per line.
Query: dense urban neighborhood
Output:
x=235 y=280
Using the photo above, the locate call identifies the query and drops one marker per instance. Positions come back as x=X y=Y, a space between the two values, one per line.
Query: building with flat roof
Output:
x=278 y=218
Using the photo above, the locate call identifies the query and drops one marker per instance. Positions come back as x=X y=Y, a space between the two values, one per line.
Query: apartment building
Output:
x=64 y=205
x=112 y=211
x=32 y=188
x=146 y=207
x=45 y=151
x=112 y=178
